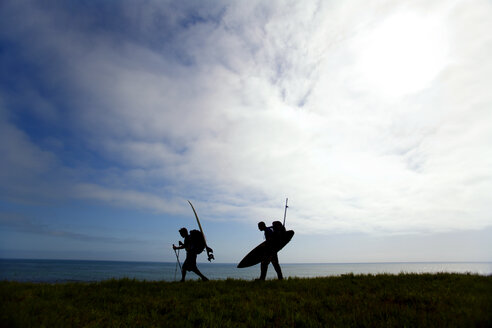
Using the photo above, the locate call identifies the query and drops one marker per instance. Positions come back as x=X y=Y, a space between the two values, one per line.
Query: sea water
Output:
x=53 y=271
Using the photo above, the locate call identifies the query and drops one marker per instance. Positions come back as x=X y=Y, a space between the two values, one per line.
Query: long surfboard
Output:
x=209 y=253
x=265 y=249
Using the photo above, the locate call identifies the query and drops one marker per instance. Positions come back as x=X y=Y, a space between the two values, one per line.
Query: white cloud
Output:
x=266 y=102
x=129 y=198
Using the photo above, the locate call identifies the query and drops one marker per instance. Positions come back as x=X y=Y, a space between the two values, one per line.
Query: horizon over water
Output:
x=52 y=271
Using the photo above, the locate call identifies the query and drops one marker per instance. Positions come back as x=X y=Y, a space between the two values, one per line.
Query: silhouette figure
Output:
x=272 y=236
x=192 y=247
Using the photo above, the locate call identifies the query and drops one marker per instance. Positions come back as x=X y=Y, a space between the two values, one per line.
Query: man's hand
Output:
x=174 y=247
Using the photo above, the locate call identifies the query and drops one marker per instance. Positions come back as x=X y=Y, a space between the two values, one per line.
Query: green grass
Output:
x=405 y=300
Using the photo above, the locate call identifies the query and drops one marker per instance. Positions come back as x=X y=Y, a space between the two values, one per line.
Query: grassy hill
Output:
x=412 y=300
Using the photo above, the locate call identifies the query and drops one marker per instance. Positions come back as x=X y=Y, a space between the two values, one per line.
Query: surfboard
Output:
x=209 y=253
x=265 y=249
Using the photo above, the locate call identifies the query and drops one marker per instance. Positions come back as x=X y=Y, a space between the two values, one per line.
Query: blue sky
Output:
x=375 y=119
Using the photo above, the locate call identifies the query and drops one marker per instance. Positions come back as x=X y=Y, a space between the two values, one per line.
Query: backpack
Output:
x=197 y=241
x=278 y=227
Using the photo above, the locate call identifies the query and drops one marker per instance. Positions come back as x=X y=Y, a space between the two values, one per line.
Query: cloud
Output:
x=240 y=105
x=21 y=223
x=129 y=198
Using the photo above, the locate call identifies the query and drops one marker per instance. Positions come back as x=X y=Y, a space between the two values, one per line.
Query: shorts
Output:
x=190 y=262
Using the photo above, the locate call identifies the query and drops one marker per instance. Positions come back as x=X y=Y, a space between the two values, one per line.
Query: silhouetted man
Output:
x=270 y=237
x=191 y=254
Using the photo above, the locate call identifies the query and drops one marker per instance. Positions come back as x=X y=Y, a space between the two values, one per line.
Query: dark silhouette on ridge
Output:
x=194 y=244
x=276 y=237
x=265 y=253
x=273 y=236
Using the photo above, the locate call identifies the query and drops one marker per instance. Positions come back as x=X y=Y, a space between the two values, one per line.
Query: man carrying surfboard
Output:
x=272 y=238
x=276 y=238
x=193 y=247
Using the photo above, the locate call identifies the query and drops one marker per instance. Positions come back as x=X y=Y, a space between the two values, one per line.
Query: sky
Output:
x=374 y=118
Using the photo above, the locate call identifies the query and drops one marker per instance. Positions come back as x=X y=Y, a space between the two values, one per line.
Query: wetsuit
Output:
x=190 y=262
x=273 y=258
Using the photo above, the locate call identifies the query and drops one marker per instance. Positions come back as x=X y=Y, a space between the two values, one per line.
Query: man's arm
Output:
x=181 y=246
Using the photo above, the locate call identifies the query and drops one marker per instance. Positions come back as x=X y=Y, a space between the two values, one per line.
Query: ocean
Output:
x=55 y=271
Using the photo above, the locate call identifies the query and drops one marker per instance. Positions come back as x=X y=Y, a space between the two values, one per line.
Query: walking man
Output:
x=270 y=237
x=190 y=246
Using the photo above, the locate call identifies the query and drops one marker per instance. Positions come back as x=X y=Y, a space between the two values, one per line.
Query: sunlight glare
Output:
x=403 y=54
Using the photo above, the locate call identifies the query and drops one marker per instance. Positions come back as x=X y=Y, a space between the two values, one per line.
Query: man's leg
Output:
x=276 y=266
x=188 y=265
x=264 y=269
x=193 y=267
x=200 y=274
x=183 y=271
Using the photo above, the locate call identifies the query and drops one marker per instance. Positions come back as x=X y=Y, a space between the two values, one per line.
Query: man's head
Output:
x=183 y=232
x=261 y=226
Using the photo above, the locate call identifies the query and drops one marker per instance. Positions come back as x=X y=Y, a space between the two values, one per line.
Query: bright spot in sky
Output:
x=403 y=54
x=372 y=117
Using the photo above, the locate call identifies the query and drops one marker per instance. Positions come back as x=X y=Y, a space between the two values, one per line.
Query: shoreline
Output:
x=196 y=279
x=92 y=271
x=235 y=263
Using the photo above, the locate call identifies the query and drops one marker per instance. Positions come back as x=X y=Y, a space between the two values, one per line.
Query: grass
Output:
x=405 y=300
